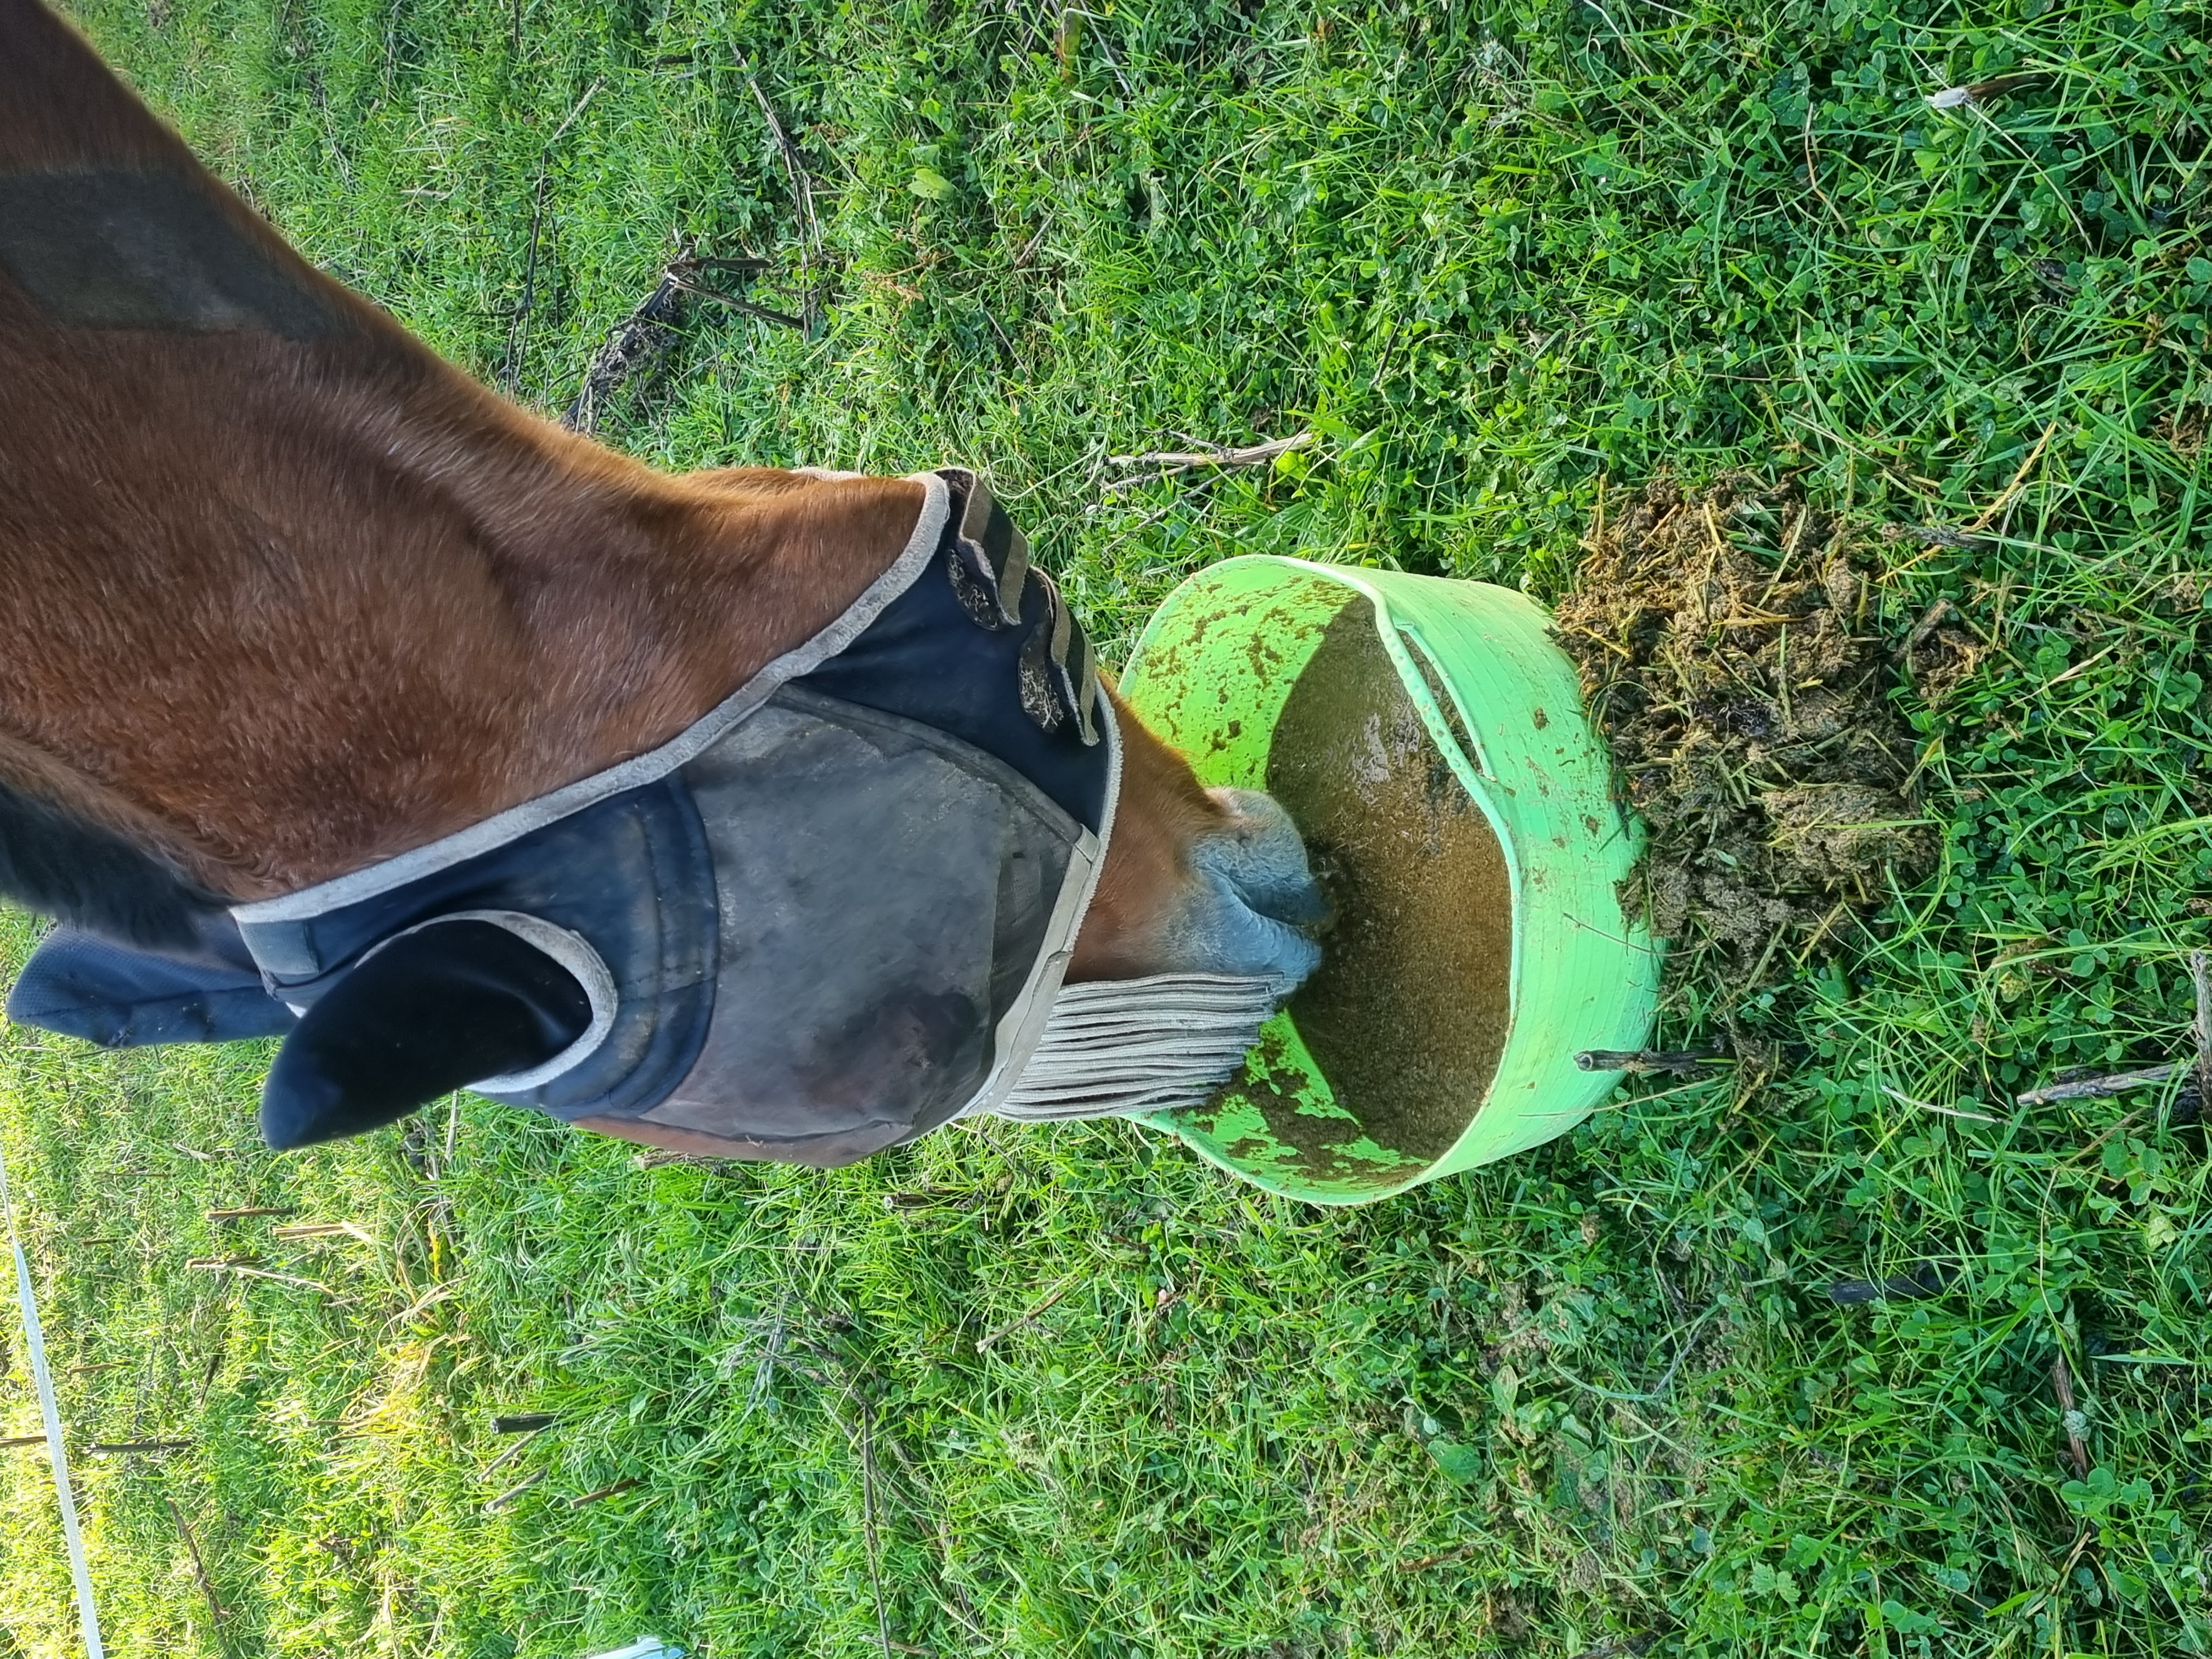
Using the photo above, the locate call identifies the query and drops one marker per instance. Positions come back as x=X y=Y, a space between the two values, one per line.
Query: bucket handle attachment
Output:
x=1439 y=688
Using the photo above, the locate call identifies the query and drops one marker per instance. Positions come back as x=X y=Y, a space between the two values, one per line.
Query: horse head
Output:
x=309 y=632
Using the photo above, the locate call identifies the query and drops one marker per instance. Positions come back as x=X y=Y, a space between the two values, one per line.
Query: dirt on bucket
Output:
x=1407 y=1014
x=1728 y=645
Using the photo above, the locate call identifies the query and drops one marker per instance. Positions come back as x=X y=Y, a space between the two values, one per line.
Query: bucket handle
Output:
x=1438 y=685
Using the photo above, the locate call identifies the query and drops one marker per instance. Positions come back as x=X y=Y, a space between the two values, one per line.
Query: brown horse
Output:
x=284 y=595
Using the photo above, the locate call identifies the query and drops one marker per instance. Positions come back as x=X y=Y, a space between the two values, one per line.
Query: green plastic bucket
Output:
x=1500 y=702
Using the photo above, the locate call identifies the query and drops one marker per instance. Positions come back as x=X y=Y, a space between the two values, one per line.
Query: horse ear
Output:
x=446 y=1005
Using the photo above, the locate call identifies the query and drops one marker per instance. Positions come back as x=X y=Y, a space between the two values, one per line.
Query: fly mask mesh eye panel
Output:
x=883 y=895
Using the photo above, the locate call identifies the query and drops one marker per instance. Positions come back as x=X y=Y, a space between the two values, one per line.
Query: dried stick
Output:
x=1008 y=1330
x=794 y=164
x=207 y=1378
x=199 y=1567
x=2089 y=1088
x=1930 y=619
x=868 y=1523
x=960 y=1607
x=2200 y=975
x=1638 y=1061
x=605 y=1491
x=511 y=366
x=678 y=274
x=2061 y=1381
x=1168 y=463
x=506 y=1500
x=510 y=1453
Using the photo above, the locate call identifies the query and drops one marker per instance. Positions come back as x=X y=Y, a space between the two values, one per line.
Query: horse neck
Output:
x=283 y=631
x=281 y=592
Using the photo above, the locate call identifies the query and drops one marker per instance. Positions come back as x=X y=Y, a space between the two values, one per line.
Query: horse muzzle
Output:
x=1253 y=905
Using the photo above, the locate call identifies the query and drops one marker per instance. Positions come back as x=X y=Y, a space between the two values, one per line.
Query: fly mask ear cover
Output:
x=833 y=912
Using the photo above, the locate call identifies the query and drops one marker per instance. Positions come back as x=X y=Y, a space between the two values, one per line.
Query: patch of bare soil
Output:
x=1728 y=644
x=2184 y=430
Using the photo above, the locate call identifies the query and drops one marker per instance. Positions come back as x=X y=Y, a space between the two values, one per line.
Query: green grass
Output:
x=1594 y=1396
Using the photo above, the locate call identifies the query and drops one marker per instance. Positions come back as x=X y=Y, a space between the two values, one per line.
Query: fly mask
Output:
x=830 y=915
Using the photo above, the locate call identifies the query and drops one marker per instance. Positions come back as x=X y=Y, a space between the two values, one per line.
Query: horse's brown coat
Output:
x=283 y=594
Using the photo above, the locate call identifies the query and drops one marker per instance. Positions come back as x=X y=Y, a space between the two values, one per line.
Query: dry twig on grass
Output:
x=506 y=1499
x=959 y=1604
x=512 y=1452
x=605 y=1492
x=2199 y=1070
x=199 y=1567
x=2062 y=1382
x=1006 y=1330
x=2090 y=1088
x=1638 y=1062
x=1168 y=463
x=637 y=345
x=802 y=191
x=511 y=364
x=868 y=1522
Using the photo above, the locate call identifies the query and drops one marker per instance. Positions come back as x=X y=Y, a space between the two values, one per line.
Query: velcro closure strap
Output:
x=993 y=575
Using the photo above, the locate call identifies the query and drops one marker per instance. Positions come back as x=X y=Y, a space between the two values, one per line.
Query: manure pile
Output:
x=1729 y=648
